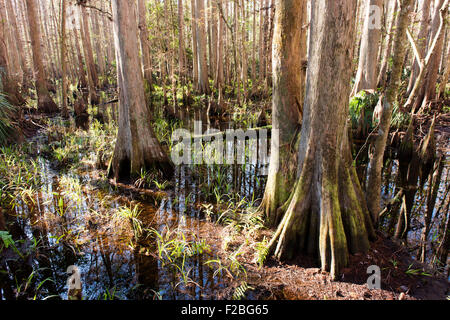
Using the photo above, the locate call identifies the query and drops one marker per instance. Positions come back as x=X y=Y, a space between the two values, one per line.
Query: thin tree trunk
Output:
x=433 y=68
x=387 y=52
x=195 y=76
x=145 y=47
x=424 y=18
x=87 y=44
x=366 y=77
x=288 y=51
x=45 y=102
x=65 y=111
x=137 y=146
x=373 y=193
x=91 y=72
x=203 y=82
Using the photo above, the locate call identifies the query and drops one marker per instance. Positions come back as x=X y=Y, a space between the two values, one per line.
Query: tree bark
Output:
x=366 y=77
x=8 y=85
x=145 y=47
x=288 y=51
x=387 y=51
x=325 y=213
x=373 y=187
x=45 y=102
x=65 y=111
x=423 y=11
x=203 y=82
x=137 y=146
x=195 y=75
x=429 y=87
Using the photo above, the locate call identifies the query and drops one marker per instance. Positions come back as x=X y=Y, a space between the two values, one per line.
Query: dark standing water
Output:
x=70 y=223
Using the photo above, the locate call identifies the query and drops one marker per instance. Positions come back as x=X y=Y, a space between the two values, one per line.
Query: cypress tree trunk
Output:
x=325 y=214
x=376 y=158
x=366 y=77
x=424 y=16
x=137 y=146
x=7 y=83
x=429 y=88
x=45 y=102
x=203 y=82
x=194 y=45
x=65 y=111
x=143 y=34
x=288 y=51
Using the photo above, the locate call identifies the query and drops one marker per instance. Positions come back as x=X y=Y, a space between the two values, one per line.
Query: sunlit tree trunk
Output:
x=45 y=102
x=387 y=51
x=87 y=44
x=18 y=38
x=373 y=187
x=429 y=87
x=181 y=49
x=137 y=146
x=145 y=47
x=288 y=52
x=325 y=214
x=423 y=12
x=366 y=77
x=91 y=72
x=194 y=45
x=65 y=111
x=244 y=54
x=219 y=74
x=82 y=77
x=262 y=61
x=8 y=85
x=203 y=82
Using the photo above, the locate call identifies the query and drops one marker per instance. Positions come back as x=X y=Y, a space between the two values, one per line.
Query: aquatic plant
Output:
x=7 y=126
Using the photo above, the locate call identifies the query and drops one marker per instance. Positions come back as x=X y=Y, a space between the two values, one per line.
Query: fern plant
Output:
x=6 y=125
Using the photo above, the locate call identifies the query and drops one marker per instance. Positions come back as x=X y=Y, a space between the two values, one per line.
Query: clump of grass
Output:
x=7 y=127
x=19 y=176
x=132 y=214
x=175 y=252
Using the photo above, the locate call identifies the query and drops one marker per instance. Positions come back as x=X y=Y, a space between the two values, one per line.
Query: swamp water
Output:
x=73 y=220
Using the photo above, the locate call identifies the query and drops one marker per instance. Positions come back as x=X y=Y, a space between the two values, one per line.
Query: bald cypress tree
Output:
x=325 y=215
x=137 y=146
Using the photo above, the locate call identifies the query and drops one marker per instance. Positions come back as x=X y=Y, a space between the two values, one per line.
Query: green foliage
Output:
x=241 y=291
x=132 y=214
x=399 y=119
x=416 y=272
x=366 y=102
x=6 y=124
x=262 y=250
x=19 y=176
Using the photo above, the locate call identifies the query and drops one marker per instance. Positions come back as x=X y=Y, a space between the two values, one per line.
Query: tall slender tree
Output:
x=373 y=195
x=45 y=102
x=289 y=52
x=137 y=146
x=366 y=77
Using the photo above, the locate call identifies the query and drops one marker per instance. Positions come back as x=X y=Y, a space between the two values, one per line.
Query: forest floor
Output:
x=402 y=278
